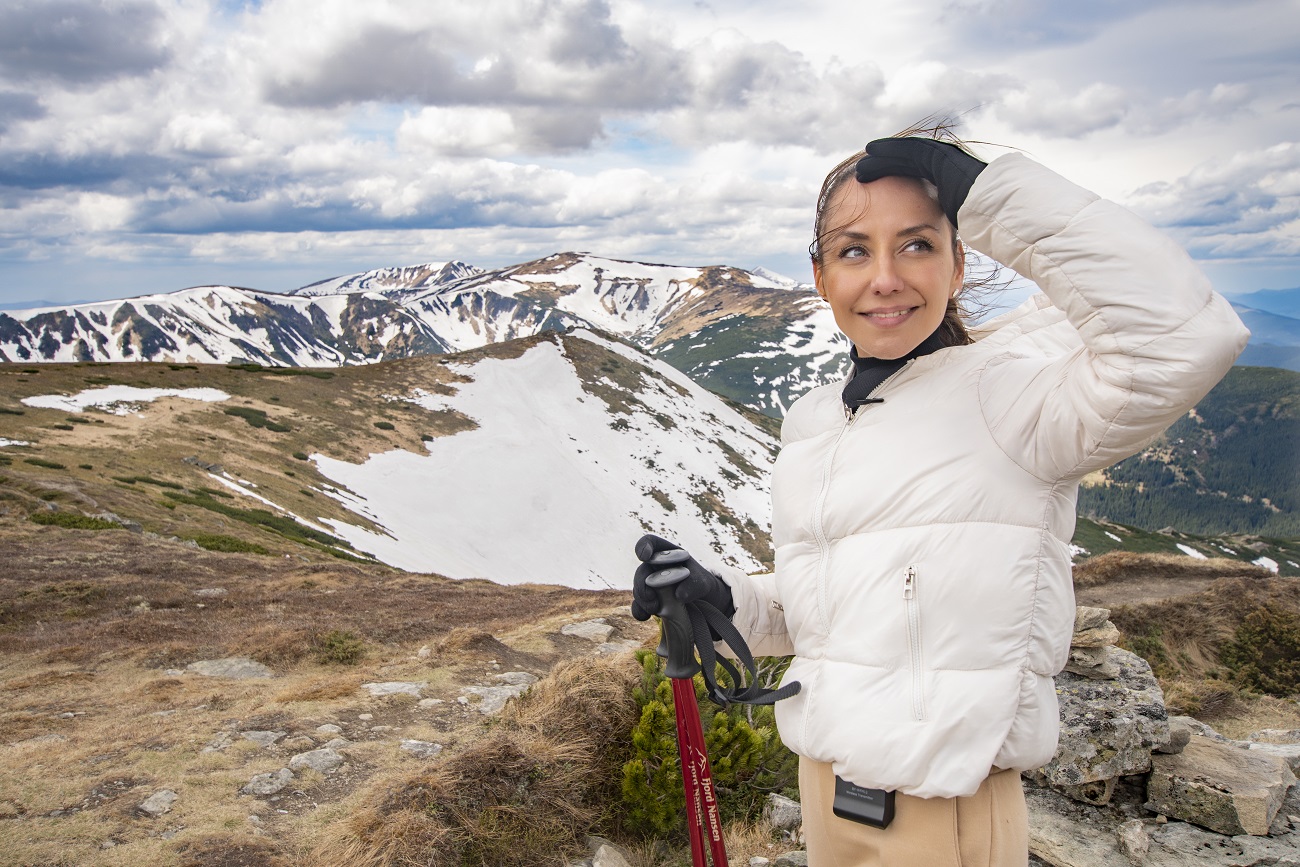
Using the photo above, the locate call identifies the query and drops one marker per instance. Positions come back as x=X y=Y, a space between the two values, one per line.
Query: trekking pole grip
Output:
x=676 y=638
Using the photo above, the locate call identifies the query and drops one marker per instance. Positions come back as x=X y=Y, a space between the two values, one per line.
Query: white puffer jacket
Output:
x=922 y=549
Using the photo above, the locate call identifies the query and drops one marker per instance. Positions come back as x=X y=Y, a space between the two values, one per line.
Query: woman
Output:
x=922 y=511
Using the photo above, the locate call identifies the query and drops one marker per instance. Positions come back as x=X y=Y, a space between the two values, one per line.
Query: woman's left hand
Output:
x=946 y=166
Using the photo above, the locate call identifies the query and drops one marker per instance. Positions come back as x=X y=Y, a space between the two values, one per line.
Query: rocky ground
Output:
x=161 y=704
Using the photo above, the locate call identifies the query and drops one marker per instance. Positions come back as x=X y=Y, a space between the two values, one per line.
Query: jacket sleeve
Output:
x=759 y=616
x=1155 y=337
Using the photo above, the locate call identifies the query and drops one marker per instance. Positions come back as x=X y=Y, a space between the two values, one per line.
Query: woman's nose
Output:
x=886 y=280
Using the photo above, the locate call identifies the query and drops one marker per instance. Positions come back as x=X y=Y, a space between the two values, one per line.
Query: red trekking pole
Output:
x=677 y=646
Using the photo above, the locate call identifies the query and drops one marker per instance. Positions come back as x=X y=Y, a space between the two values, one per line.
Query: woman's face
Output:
x=888 y=265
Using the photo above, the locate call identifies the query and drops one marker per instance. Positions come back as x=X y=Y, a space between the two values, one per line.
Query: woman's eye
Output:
x=919 y=244
x=854 y=251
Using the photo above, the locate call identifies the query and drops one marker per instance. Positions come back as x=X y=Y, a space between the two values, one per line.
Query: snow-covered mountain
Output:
x=581 y=444
x=756 y=337
x=539 y=460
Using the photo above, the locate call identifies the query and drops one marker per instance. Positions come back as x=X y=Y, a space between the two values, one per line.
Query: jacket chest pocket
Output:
x=915 y=656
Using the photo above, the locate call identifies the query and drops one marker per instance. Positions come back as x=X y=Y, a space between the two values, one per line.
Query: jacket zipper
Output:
x=914 y=642
x=818 y=527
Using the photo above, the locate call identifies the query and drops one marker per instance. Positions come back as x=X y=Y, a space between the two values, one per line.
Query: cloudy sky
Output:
x=150 y=145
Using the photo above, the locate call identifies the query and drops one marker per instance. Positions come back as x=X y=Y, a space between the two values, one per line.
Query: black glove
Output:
x=946 y=166
x=694 y=583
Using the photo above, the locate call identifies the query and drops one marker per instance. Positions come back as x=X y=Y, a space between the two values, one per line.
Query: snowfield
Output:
x=120 y=399
x=552 y=487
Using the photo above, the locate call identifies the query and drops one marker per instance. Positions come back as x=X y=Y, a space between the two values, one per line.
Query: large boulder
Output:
x=1220 y=787
x=1108 y=728
x=1066 y=833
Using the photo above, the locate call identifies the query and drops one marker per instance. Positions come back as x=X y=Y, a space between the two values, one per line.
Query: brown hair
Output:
x=952 y=330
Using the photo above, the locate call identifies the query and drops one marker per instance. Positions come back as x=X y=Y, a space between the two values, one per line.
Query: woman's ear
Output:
x=817 y=279
x=959 y=273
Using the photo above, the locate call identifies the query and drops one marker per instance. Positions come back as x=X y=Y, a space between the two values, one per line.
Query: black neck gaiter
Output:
x=869 y=373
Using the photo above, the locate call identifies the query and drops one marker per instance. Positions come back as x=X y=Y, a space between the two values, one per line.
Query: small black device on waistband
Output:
x=874 y=807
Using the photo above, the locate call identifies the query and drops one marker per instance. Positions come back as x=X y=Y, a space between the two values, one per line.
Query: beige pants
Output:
x=988 y=829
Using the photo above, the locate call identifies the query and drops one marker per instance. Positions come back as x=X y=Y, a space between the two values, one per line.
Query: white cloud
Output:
x=677 y=130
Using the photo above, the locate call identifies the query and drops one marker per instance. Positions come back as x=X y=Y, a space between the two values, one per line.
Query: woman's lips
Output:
x=889 y=318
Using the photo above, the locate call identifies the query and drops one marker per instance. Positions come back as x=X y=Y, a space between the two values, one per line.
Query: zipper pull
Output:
x=909 y=583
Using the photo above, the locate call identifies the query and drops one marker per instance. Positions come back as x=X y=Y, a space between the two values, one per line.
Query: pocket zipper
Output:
x=914 y=642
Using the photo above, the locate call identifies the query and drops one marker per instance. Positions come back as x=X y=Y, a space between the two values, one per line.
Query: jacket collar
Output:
x=868 y=373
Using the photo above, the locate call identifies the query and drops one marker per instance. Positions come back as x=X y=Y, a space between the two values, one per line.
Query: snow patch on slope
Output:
x=120 y=399
x=551 y=487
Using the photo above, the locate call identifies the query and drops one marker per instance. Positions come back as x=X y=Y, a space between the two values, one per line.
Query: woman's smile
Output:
x=889 y=265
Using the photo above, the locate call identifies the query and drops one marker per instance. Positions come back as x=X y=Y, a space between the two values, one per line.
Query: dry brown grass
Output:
x=525 y=791
x=1128 y=567
x=91 y=724
x=1183 y=634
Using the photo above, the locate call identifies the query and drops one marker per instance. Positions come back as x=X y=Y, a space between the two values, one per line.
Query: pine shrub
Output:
x=745 y=752
x=1264 y=654
x=340 y=647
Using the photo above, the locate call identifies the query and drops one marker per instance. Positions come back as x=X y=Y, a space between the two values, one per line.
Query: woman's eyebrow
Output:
x=852 y=235
x=912 y=230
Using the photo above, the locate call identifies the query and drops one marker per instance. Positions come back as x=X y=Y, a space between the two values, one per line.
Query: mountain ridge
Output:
x=445 y=307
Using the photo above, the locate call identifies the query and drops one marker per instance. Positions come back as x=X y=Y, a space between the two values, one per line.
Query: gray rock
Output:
x=1180 y=733
x=336 y=744
x=268 y=784
x=759 y=861
x=1099 y=636
x=1086 y=618
x=1133 y=840
x=798 y=858
x=622 y=646
x=1062 y=839
x=1289 y=753
x=1197 y=727
x=1179 y=844
x=1093 y=662
x=218 y=743
x=782 y=813
x=378 y=690
x=237 y=667
x=421 y=749
x=611 y=855
x=323 y=760
x=330 y=729
x=1108 y=727
x=491 y=699
x=1220 y=787
x=597 y=630
x=264 y=738
x=1276 y=736
x=159 y=802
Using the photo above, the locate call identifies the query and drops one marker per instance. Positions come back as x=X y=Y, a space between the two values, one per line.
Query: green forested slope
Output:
x=1231 y=466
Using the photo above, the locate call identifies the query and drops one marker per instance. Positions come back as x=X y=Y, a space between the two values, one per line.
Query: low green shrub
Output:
x=73 y=521
x=302 y=456
x=229 y=544
x=1264 y=654
x=745 y=751
x=341 y=647
x=385 y=425
x=257 y=418
x=41 y=462
x=148 y=480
